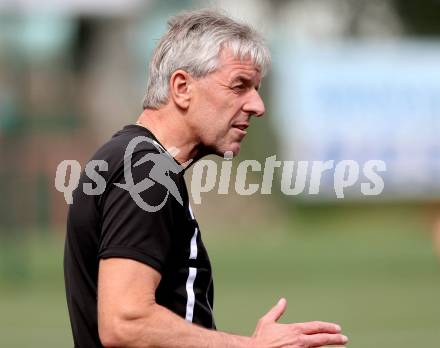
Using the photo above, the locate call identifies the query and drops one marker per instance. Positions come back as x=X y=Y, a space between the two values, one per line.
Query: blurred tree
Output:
x=420 y=18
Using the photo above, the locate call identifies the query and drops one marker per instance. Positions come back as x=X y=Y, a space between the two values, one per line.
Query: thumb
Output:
x=276 y=311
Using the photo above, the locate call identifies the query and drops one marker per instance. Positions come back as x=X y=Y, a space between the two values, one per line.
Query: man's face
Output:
x=223 y=103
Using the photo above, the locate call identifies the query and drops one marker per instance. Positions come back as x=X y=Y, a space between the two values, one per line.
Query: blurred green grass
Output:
x=376 y=275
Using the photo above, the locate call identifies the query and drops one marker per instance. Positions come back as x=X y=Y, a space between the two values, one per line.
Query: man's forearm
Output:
x=164 y=329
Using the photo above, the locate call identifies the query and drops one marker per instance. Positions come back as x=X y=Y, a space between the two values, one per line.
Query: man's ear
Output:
x=180 y=88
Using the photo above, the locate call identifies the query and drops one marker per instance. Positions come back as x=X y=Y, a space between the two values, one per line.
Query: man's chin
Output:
x=235 y=149
x=226 y=152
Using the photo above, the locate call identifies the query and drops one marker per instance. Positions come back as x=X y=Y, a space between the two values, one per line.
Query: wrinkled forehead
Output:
x=233 y=64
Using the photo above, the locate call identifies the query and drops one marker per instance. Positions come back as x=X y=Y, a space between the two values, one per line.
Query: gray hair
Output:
x=193 y=43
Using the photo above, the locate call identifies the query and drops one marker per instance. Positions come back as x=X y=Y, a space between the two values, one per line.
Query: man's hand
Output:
x=269 y=333
x=128 y=316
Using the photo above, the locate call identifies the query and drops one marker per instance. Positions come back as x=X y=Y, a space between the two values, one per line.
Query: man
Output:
x=137 y=273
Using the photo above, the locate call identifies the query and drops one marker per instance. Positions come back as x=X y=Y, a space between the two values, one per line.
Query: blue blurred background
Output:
x=351 y=79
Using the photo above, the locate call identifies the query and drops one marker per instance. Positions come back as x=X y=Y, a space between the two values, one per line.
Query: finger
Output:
x=323 y=339
x=315 y=327
x=276 y=311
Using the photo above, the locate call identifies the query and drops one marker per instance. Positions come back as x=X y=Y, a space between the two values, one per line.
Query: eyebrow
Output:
x=245 y=80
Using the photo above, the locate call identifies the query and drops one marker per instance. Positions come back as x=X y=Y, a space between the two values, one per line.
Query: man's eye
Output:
x=238 y=88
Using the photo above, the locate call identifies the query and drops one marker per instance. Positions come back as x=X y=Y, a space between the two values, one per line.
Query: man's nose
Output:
x=254 y=104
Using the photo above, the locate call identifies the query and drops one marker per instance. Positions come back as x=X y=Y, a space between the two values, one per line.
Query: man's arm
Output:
x=128 y=316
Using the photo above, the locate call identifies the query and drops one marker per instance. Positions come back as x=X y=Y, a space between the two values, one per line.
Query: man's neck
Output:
x=169 y=128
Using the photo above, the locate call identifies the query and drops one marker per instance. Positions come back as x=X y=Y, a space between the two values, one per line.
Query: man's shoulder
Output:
x=129 y=140
x=135 y=157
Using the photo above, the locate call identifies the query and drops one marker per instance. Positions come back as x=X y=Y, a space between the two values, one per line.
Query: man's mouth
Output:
x=241 y=126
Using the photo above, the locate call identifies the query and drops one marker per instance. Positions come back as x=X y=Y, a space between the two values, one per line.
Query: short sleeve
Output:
x=128 y=230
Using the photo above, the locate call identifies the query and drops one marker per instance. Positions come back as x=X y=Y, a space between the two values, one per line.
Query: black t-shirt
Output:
x=119 y=221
